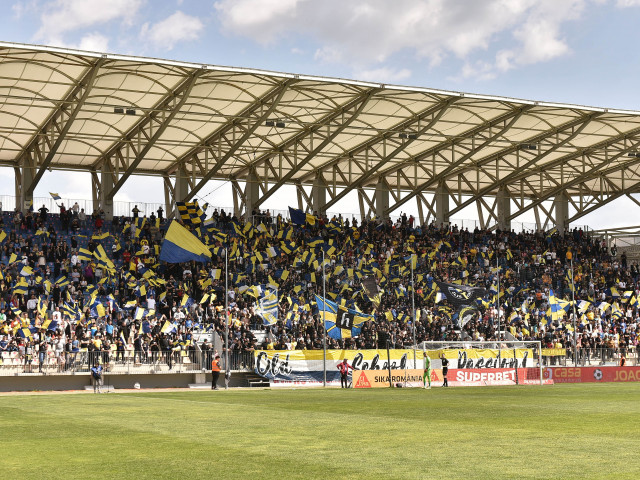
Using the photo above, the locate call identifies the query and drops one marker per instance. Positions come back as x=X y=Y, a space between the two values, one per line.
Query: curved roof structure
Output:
x=65 y=109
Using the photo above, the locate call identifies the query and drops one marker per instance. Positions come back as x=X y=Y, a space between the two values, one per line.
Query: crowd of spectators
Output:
x=66 y=302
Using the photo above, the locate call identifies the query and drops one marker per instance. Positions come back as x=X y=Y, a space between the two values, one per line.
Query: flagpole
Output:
x=498 y=303
x=324 y=326
x=573 y=298
x=413 y=313
x=226 y=318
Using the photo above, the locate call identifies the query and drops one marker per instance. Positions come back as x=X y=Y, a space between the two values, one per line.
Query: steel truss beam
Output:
x=433 y=115
x=334 y=125
x=145 y=134
x=233 y=134
x=44 y=145
x=532 y=165
x=479 y=163
x=594 y=172
x=484 y=132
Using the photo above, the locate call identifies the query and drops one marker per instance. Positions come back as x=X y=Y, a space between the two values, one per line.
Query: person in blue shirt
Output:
x=96 y=375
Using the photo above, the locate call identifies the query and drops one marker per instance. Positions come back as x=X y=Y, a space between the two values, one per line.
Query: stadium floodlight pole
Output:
x=573 y=302
x=226 y=319
x=324 y=325
x=413 y=312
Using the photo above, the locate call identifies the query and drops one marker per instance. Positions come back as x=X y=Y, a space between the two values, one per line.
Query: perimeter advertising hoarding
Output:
x=592 y=374
x=380 y=378
x=305 y=367
x=495 y=376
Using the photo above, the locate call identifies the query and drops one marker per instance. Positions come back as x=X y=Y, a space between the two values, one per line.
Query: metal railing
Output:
x=120 y=362
x=593 y=356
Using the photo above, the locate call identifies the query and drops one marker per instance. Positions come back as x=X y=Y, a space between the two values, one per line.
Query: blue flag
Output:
x=180 y=245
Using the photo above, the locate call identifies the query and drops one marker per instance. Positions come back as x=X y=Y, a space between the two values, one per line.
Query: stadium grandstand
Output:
x=148 y=291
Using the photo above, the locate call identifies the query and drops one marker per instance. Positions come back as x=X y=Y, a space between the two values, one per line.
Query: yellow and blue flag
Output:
x=339 y=320
x=180 y=245
x=300 y=218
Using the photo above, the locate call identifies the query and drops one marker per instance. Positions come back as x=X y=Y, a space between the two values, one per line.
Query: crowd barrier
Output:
x=590 y=356
x=120 y=362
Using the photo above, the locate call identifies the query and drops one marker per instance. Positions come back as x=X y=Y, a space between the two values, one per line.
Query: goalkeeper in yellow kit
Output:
x=427 y=371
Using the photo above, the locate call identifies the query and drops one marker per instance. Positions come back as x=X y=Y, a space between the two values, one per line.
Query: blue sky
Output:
x=569 y=51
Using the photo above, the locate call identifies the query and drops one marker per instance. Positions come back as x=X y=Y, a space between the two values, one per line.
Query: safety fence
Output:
x=590 y=356
x=125 y=209
x=120 y=362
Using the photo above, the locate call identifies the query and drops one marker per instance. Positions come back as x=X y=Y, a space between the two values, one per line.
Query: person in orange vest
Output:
x=215 y=372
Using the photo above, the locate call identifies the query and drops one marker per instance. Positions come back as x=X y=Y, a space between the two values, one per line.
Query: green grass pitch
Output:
x=561 y=431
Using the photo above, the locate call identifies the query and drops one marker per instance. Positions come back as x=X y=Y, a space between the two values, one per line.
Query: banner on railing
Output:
x=554 y=352
x=305 y=367
x=592 y=374
x=476 y=358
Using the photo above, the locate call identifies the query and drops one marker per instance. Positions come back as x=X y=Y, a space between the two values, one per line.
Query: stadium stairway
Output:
x=254 y=380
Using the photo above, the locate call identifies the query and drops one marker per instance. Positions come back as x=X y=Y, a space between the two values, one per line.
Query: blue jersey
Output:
x=96 y=372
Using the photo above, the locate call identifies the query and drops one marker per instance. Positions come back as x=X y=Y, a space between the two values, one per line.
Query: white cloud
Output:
x=178 y=27
x=21 y=9
x=366 y=33
x=62 y=17
x=94 y=42
x=263 y=20
x=383 y=74
x=628 y=3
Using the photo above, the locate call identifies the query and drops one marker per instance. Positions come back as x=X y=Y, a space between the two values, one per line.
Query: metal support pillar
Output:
x=106 y=185
x=181 y=188
x=23 y=177
x=561 y=204
x=503 y=202
x=168 y=195
x=251 y=192
x=319 y=195
x=442 y=205
x=382 y=199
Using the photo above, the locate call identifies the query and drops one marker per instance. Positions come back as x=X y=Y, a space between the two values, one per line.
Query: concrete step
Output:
x=201 y=386
x=103 y=388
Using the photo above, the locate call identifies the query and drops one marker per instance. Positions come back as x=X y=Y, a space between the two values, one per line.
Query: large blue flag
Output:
x=300 y=218
x=180 y=245
x=340 y=321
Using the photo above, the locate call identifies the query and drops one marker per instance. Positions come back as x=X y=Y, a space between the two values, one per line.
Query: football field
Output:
x=561 y=431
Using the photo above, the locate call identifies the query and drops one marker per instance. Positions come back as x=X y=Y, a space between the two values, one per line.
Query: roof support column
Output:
x=561 y=204
x=23 y=177
x=181 y=188
x=442 y=205
x=319 y=195
x=106 y=185
x=168 y=195
x=503 y=204
x=252 y=193
x=382 y=199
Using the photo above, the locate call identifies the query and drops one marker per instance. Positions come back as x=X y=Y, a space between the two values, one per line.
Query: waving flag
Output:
x=556 y=311
x=180 y=245
x=55 y=196
x=300 y=218
x=463 y=298
x=341 y=321
x=268 y=308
